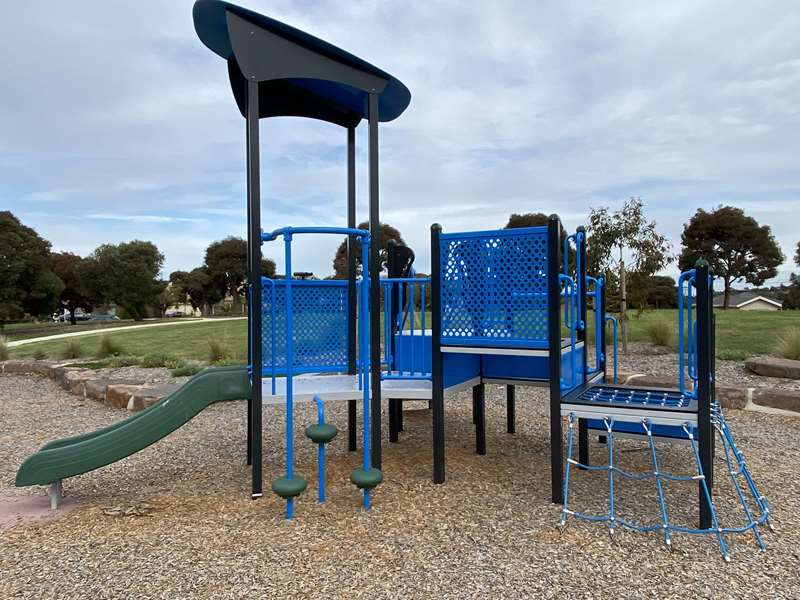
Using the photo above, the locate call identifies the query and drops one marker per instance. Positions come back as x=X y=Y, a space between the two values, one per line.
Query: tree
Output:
x=387 y=232
x=627 y=232
x=27 y=283
x=792 y=298
x=67 y=267
x=177 y=284
x=200 y=289
x=125 y=274
x=226 y=261
x=735 y=246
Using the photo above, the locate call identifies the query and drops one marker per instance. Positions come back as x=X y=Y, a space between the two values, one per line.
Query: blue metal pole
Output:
x=364 y=317
x=287 y=238
x=321 y=449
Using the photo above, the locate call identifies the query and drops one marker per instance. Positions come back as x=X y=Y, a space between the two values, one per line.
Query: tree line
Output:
x=624 y=245
x=37 y=282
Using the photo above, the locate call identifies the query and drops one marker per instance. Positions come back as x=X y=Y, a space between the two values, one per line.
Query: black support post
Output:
x=479 y=401
x=705 y=433
x=254 y=278
x=511 y=409
x=437 y=380
x=601 y=298
x=375 y=287
x=580 y=275
x=352 y=252
x=554 y=346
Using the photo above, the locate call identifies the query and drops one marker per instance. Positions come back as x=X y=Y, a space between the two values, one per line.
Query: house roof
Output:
x=298 y=74
x=739 y=299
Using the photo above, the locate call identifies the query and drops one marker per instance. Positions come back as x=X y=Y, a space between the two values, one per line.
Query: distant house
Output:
x=748 y=301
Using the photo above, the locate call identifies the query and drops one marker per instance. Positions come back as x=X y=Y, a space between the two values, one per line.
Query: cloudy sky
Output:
x=116 y=123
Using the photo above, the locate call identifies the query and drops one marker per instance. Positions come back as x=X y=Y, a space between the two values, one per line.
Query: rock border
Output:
x=116 y=393
x=773 y=366
x=135 y=396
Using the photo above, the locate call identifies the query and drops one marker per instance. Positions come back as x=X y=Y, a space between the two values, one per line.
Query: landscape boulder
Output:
x=772 y=366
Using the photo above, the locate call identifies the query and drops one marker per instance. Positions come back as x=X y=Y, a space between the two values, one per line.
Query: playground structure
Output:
x=507 y=307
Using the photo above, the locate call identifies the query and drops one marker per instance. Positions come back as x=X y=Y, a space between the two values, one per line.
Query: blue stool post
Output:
x=321 y=449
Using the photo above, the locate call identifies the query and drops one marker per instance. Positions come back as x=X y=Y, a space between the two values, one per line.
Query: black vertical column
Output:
x=705 y=437
x=391 y=296
x=601 y=298
x=352 y=252
x=580 y=276
x=479 y=402
x=375 y=286
x=511 y=409
x=554 y=346
x=254 y=278
x=437 y=378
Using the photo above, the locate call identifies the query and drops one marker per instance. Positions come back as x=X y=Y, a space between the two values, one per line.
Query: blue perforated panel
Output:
x=319 y=322
x=494 y=288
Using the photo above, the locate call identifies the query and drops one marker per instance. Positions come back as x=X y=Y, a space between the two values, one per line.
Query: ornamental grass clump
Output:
x=788 y=344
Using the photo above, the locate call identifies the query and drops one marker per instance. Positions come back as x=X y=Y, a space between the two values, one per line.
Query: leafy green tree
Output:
x=736 y=247
x=791 y=300
x=177 y=285
x=340 y=258
x=124 y=274
x=201 y=290
x=613 y=236
x=226 y=264
x=27 y=283
x=67 y=267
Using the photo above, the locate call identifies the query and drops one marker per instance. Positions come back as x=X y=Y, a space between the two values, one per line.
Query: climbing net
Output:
x=740 y=476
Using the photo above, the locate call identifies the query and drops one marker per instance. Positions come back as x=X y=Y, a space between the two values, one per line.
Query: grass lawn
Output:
x=739 y=334
x=188 y=341
x=24 y=331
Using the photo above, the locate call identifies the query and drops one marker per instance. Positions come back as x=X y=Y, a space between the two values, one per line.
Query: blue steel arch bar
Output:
x=287 y=233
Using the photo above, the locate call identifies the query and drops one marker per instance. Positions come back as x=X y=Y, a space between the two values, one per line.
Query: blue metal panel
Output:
x=319 y=313
x=499 y=366
x=458 y=368
x=494 y=288
x=412 y=354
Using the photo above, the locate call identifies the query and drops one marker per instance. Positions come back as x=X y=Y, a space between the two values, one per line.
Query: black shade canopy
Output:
x=298 y=74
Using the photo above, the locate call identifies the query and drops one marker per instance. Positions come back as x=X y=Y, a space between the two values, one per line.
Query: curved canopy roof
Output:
x=298 y=74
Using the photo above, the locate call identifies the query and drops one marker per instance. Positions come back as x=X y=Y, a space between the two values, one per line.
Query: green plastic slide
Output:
x=75 y=455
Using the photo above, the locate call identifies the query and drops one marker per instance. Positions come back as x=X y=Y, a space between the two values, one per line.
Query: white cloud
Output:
x=116 y=109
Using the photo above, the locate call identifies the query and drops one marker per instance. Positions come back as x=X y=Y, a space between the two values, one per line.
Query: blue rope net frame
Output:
x=741 y=479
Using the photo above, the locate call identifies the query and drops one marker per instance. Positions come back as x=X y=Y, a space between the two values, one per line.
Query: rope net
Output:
x=752 y=503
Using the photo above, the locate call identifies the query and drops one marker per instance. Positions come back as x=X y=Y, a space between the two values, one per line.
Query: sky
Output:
x=116 y=123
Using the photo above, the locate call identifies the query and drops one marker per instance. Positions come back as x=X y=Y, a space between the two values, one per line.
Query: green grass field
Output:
x=739 y=335
x=24 y=331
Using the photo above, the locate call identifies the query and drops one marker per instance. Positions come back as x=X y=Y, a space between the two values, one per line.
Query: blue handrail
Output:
x=596 y=293
x=686 y=279
x=613 y=321
x=406 y=315
x=569 y=286
x=283 y=231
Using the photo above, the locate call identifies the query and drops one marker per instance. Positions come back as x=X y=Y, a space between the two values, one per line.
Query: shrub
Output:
x=218 y=351
x=108 y=347
x=161 y=359
x=187 y=370
x=4 y=348
x=659 y=331
x=72 y=349
x=115 y=362
x=39 y=354
x=788 y=344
